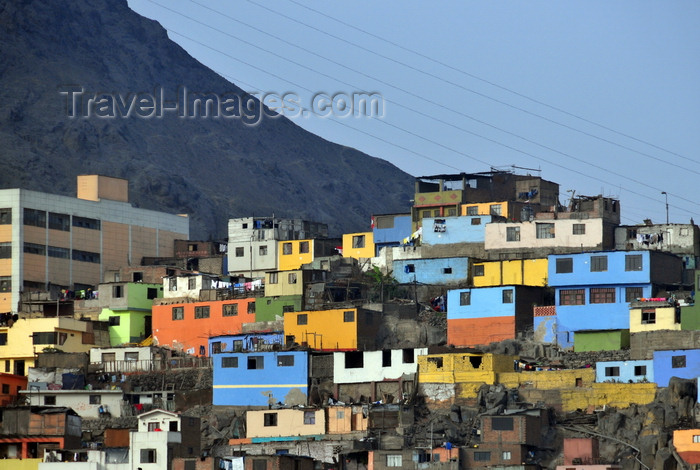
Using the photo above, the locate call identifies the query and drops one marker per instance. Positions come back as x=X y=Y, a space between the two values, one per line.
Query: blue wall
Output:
x=626 y=369
x=241 y=386
x=581 y=274
x=664 y=370
x=250 y=342
x=545 y=328
x=393 y=236
x=431 y=271
x=457 y=230
x=485 y=302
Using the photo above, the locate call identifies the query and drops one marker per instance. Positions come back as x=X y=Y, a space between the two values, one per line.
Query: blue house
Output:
x=254 y=370
x=624 y=371
x=431 y=270
x=593 y=290
x=682 y=363
x=390 y=229
x=447 y=230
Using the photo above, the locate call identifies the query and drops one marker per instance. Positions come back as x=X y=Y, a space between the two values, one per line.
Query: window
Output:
x=640 y=370
x=286 y=360
x=394 y=460
x=340 y=414
x=35 y=218
x=446 y=270
x=451 y=211
x=349 y=316
x=59 y=222
x=544 y=230
x=172 y=284
x=386 y=358
x=408 y=356
x=3 y=339
x=612 y=371
x=603 y=295
x=495 y=209
x=172 y=426
x=512 y=234
x=34 y=249
x=48 y=337
x=309 y=417
x=506 y=455
x=648 y=316
x=696 y=438
x=472 y=210
x=114 y=320
x=436 y=362
x=286 y=248
x=229 y=362
x=502 y=423
x=482 y=456
x=153 y=426
x=251 y=307
x=50 y=400
x=599 y=263
x=303 y=247
x=465 y=298
x=302 y=319
x=86 y=256
x=579 y=229
x=270 y=419
x=256 y=362
x=201 y=312
x=58 y=252
x=633 y=262
x=292 y=278
x=131 y=356
x=151 y=293
x=287 y=308
x=259 y=464
x=565 y=265
x=273 y=278
x=148 y=456
x=240 y=252
x=6 y=249
x=508 y=296
x=262 y=250
x=354 y=359
x=478 y=270
x=109 y=357
x=5 y=284
x=476 y=221
x=677 y=362
x=410 y=268
x=633 y=293
x=5 y=216
x=230 y=310
x=117 y=292
x=178 y=313
x=191 y=283
x=95 y=399
x=85 y=222
x=5 y=389
x=216 y=347
x=572 y=297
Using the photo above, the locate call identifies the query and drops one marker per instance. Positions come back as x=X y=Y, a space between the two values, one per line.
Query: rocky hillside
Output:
x=213 y=169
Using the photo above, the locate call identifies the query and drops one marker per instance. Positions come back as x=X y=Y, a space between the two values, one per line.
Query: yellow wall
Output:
x=683 y=440
x=330 y=328
x=282 y=286
x=530 y=272
x=295 y=259
x=548 y=379
x=484 y=208
x=20 y=464
x=289 y=423
x=366 y=252
x=619 y=395
x=349 y=422
x=665 y=320
x=96 y=187
x=459 y=368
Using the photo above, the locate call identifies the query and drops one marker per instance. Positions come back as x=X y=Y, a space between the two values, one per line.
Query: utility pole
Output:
x=666 y=194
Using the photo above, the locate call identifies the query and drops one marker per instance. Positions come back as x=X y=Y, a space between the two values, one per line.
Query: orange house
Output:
x=10 y=385
x=187 y=326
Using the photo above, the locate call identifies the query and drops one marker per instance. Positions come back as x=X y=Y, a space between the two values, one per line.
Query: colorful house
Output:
x=654 y=314
x=682 y=363
x=449 y=230
x=687 y=444
x=431 y=271
x=272 y=308
x=624 y=371
x=10 y=386
x=26 y=431
x=358 y=245
x=291 y=424
x=593 y=290
x=186 y=326
x=514 y=211
x=601 y=340
x=517 y=272
x=294 y=253
x=127 y=309
x=346 y=329
x=261 y=377
x=483 y=315
x=389 y=230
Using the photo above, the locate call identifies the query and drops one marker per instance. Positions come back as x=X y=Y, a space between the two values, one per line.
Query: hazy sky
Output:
x=601 y=97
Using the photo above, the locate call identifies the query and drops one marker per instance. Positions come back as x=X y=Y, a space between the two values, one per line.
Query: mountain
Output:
x=210 y=168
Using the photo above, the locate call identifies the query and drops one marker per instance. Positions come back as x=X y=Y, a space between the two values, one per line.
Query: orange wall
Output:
x=191 y=332
x=477 y=331
x=14 y=381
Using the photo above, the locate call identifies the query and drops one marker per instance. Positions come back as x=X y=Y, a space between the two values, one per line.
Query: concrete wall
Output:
x=643 y=344
x=86 y=403
x=448 y=230
x=664 y=318
x=682 y=363
x=400 y=362
x=333 y=329
x=272 y=308
x=625 y=371
x=528 y=272
x=288 y=423
x=563 y=235
x=604 y=340
x=431 y=271
x=367 y=249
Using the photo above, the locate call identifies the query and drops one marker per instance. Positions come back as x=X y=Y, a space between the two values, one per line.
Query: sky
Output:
x=601 y=97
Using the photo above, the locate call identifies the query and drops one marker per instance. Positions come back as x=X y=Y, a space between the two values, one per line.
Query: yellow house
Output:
x=486 y=208
x=654 y=315
x=279 y=283
x=294 y=253
x=358 y=245
x=521 y=272
x=285 y=423
x=332 y=330
x=345 y=419
x=463 y=367
x=20 y=342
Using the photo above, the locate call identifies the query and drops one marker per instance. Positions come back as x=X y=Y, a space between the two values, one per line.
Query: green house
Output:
x=126 y=306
